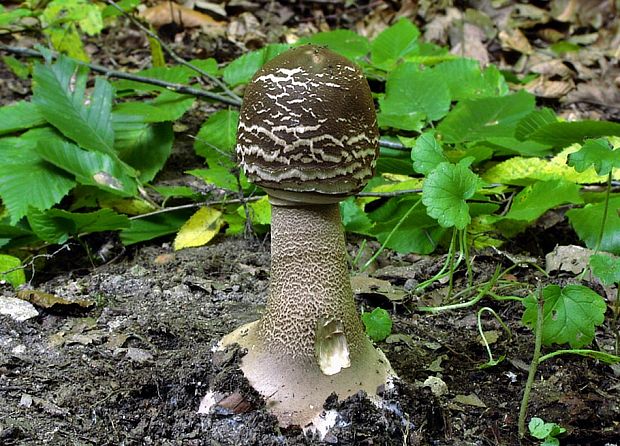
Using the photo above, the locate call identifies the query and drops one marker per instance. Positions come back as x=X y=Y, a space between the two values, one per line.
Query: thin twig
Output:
x=179 y=88
x=196 y=205
x=175 y=56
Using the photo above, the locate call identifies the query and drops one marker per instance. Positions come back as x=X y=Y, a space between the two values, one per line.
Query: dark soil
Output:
x=133 y=369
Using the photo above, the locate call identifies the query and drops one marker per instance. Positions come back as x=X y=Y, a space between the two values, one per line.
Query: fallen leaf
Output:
x=514 y=39
x=46 y=300
x=369 y=285
x=199 y=229
x=469 y=400
x=545 y=88
x=169 y=12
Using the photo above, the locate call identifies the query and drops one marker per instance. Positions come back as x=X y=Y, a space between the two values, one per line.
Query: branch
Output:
x=179 y=88
x=175 y=56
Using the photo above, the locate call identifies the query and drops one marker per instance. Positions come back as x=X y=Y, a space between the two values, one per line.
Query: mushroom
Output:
x=308 y=135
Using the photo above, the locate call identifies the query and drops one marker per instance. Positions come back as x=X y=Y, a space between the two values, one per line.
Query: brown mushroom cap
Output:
x=307 y=127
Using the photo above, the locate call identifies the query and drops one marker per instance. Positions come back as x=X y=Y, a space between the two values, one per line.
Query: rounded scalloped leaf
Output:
x=444 y=193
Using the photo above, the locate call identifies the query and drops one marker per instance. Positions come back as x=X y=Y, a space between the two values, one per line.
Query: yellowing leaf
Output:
x=199 y=229
x=520 y=170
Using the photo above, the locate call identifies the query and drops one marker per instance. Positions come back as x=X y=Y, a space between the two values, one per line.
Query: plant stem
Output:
x=606 y=357
x=599 y=240
x=540 y=303
x=387 y=239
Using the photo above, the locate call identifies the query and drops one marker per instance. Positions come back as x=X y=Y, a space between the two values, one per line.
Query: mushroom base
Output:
x=295 y=389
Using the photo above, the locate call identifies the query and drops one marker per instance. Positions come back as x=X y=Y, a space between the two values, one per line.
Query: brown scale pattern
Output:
x=308 y=265
x=308 y=123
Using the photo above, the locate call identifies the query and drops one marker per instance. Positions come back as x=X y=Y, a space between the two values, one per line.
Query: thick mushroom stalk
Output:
x=307 y=134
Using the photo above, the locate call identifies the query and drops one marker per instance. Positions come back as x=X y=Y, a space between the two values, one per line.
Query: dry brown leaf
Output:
x=514 y=39
x=46 y=300
x=604 y=93
x=470 y=43
x=169 y=12
x=550 y=68
x=545 y=88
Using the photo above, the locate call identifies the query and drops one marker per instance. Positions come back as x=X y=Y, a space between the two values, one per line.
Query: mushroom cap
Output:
x=307 y=127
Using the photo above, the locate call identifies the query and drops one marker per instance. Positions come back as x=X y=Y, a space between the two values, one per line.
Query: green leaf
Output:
x=177 y=191
x=534 y=121
x=26 y=179
x=219 y=176
x=394 y=44
x=8 y=17
x=353 y=217
x=175 y=75
x=19 y=69
x=541 y=430
x=84 y=12
x=216 y=138
x=67 y=40
x=378 y=324
x=155 y=226
x=11 y=270
x=587 y=223
x=59 y=94
x=606 y=268
x=409 y=92
x=168 y=106
x=19 y=116
x=418 y=233
x=427 y=153
x=562 y=134
x=479 y=119
x=89 y=168
x=444 y=193
x=536 y=199
x=465 y=79
x=260 y=211
x=570 y=314
x=143 y=146
x=242 y=69
x=342 y=41
x=598 y=153
x=127 y=6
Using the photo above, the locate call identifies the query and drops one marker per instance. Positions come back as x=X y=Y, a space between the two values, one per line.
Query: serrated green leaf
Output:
x=342 y=41
x=18 y=68
x=562 y=134
x=87 y=14
x=260 y=211
x=598 y=153
x=66 y=39
x=536 y=199
x=241 y=70
x=168 y=106
x=19 y=116
x=444 y=193
x=378 y=324
x=606 y=268
x=394 y=44
x=11 y=270
x=507 y=145
x=534 y=121
x=127 y=6
x=409 y=92
x=427 y=153
x=176 y=191
x=59 y=94
x=89 y=168
x=8 y=17
x=587 y=221
x=178 y=74
x=143 y=146
x=216 y=138
x=26 y=179
x=479 y=119
x=570 y=314
x=48 y=229
x=465 y=79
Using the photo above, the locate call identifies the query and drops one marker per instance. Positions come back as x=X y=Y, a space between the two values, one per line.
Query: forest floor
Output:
x=125 y=354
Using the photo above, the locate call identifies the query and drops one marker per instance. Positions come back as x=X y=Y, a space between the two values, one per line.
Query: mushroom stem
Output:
x=308 y=266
